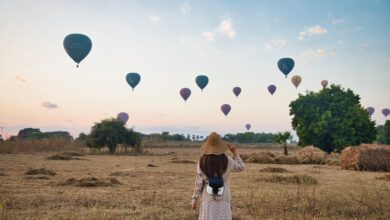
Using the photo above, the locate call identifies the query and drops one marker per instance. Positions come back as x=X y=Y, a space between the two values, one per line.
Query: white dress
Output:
x=216 y=208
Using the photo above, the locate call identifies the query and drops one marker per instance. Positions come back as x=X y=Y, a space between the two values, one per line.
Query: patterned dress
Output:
x=215 y=207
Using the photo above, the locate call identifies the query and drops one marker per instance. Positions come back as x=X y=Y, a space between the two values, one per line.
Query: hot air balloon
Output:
x=385 y=112
x=271 y=89
x=77 y=46
x=123 y=116
x=225 y=108
x=202 y=81
x=248 y=126
x=324 y=83
x=237 y=91
x=286 y=65
x=370 y=110
x=133 y=79
x=296 y=80
x=185 y=93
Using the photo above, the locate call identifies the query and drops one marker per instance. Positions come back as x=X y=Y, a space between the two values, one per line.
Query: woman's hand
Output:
x=194 y=205
x=233 y=148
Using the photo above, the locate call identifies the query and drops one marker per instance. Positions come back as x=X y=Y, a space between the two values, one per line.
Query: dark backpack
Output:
x=215 y=186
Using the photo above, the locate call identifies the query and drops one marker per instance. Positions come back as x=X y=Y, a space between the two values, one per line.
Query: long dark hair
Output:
x=213 y=165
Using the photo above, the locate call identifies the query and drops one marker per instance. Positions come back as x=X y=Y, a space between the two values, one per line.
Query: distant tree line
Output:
x=36 y=134
x=250 y=137
x=165 y=136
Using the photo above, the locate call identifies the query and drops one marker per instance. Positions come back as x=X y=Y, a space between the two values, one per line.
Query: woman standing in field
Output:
x=212 y=188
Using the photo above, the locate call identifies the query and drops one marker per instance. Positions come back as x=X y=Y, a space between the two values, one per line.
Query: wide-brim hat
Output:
x=214 y=145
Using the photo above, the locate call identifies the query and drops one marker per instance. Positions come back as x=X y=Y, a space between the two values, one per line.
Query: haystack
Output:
x=260 y=157
x=283 y=159
x=333 y=159
x=311 y=155
x=367 y=157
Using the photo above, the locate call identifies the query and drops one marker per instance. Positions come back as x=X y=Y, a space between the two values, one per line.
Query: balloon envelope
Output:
x=133 y=79
x=225 y=108
x=324 y=83
x=236 y=91
x=296 y=80
x=123 y=116
x=202 y=81
x=248 y=126
x=370 y=110
x=385 y=112
x=271 y=89
x=185 y=93
x=77 y=46
x=286 y=65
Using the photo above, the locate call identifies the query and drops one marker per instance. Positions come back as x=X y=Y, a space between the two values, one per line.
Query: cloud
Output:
x=322 y=52
x=311 y=54
x=315 y=30
x=226 y=28
x=337 y=21
x=49 y=105
x=20 y=79
x=275 y=44
x=154 y=19
x=363 y=46
x=185 y=8
x=209 y=36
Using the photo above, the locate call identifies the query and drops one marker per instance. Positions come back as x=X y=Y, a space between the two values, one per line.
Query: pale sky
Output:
x=234 y=43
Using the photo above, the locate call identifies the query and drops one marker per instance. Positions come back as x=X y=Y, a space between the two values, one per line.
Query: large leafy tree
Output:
x=331 y=119
x=108 y=133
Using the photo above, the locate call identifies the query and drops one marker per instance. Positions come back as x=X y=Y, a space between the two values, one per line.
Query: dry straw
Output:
x=368 y=157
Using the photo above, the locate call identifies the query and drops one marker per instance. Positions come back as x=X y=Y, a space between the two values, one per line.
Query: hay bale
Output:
x=90 y=182
x=385 y=177
x=73 y=154
x=37 y=177
x=294 y=179
x=368 y=157
x=283 y=159
x=274 y=170
x=311 y=155
x=151 y=165
x=260 y=157
x=182 y=161
x=333 y=159
x=123 y=173
x=59 y=157
x=40 y=171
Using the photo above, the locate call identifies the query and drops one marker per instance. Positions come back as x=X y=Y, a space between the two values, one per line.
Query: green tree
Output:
x=331 y=119
x=384 y=134
x=1 y=139
x=108 y=133
x=133 y=139
x=282 y=138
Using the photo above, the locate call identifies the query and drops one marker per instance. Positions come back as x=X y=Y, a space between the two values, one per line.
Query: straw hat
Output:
x=214 y=145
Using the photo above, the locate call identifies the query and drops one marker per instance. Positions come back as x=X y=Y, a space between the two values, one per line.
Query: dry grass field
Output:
x=159 y=185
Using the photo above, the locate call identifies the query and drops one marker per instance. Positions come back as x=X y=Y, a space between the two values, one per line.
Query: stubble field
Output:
x=159 y=185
